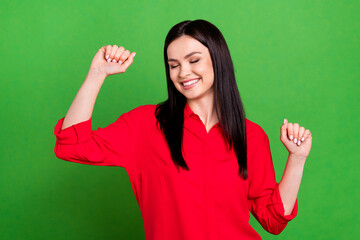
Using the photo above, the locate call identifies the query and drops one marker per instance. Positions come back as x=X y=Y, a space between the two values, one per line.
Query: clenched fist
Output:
x=296 y=139
x=111 y=60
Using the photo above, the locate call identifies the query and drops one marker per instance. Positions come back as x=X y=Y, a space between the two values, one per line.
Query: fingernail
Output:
x=295 y=140
x=107 y=56
x=302 y=139
x=114 y=60
x=109 y=59
x=298 y=143
x=284 y=120
x=134 y=54
x=120 y=62
x=291 y=137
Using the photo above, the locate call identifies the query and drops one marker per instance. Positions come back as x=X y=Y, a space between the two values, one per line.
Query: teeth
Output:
x=191 y=82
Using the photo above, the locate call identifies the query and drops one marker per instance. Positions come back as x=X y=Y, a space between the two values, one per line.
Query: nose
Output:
x=185 y=71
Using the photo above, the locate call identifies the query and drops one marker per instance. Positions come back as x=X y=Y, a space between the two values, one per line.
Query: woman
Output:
x=197 y=166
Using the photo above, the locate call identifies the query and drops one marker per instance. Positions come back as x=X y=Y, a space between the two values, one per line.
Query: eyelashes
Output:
x=195 y=61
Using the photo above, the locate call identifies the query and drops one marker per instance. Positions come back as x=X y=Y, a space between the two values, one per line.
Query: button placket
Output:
x=209 y=187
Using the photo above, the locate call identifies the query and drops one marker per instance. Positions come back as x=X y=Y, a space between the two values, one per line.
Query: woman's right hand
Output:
x=111 y=60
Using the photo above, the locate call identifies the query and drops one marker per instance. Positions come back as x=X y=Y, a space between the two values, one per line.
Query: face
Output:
x=191 y=68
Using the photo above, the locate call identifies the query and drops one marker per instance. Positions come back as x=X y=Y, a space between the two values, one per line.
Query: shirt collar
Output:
x=189 y=113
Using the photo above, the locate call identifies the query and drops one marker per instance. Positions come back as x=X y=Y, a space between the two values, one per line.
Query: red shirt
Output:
x=210 y=201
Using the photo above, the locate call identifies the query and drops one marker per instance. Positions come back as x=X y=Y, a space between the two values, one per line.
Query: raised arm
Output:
x=109 y=146
x=297 y=141
x=107 y=61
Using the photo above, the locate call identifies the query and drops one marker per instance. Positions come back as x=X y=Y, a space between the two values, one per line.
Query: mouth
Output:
x=190 y=83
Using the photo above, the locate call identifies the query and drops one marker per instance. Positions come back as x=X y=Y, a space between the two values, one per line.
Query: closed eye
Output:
x=195 y=61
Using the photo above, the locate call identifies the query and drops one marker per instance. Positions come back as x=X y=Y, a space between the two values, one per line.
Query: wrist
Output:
x=294 y=155
x=297 y=159
x=95 y=73
x=95 y=77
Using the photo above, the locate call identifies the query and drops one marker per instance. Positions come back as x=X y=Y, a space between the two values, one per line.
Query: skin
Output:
x=111 y=60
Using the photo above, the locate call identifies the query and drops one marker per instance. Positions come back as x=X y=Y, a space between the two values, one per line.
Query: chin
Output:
x=193 y=96
x=190 y=96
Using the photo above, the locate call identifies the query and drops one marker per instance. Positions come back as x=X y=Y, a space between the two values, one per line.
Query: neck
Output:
x=205 y=109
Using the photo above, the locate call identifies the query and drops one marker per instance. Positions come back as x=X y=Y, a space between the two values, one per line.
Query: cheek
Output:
x=172 y=76
x=206 y=66
x=206 y=70
x=202 y=68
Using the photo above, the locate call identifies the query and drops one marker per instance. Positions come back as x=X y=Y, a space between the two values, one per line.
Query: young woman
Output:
x=197 y=166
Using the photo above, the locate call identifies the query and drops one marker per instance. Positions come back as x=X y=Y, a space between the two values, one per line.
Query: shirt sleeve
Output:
x=264 y=199
x=113 y=145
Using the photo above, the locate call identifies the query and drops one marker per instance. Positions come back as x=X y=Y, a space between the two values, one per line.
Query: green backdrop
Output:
x=293 y=59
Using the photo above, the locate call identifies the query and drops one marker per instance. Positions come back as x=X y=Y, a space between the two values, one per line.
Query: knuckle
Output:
x=124 y=56
x=115 y=46
x=121 y=48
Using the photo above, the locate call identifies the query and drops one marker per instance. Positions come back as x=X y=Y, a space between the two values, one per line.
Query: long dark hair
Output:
x=228 y=105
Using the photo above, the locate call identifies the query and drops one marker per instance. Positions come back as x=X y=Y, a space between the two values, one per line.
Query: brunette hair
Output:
x=228 y=105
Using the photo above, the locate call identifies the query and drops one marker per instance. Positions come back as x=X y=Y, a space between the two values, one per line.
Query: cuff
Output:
x=278 y=206
x=77 y=133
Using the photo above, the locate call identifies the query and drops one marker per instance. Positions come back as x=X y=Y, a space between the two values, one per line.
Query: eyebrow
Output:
x=187 y=56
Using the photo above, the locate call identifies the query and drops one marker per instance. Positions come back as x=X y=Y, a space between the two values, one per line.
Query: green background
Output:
x=293 y=59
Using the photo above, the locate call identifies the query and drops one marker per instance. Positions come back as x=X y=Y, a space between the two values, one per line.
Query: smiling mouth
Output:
x=191 y=82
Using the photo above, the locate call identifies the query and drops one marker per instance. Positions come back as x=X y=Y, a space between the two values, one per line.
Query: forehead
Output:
x=184 y=45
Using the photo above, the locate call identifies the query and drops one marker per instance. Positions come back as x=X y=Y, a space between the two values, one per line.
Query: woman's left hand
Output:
x=296 y=139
